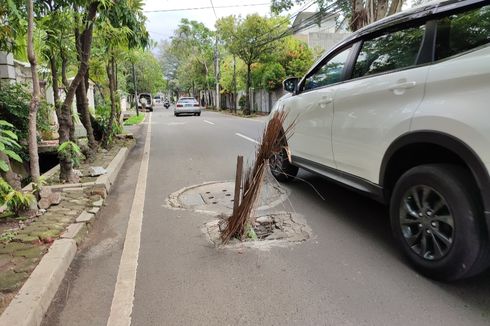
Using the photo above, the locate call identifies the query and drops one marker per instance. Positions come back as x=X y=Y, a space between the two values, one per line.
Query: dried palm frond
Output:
x=273 y=139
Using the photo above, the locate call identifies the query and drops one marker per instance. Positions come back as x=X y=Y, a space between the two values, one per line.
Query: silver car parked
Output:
x=187 y=105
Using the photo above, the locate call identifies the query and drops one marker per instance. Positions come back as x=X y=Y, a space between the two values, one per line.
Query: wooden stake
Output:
x=238 y=183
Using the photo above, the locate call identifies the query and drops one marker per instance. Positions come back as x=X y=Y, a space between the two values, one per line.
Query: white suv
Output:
x=401 y=111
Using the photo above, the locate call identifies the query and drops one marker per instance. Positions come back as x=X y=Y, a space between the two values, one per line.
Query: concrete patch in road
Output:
x=216 y=199
x=280 y=229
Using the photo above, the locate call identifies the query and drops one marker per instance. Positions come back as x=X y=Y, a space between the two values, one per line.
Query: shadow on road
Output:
x=371 y=218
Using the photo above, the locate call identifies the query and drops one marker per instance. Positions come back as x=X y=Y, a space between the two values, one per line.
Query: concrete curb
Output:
x=33 y=300
x=113 y=169
x=48 y=174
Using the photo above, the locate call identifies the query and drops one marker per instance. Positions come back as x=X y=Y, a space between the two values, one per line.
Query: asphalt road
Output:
x=349 y=273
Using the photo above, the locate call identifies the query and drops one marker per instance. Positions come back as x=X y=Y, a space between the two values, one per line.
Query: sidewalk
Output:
x=24 y=242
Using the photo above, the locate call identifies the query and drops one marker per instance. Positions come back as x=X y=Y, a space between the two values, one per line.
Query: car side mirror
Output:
x=290 y=84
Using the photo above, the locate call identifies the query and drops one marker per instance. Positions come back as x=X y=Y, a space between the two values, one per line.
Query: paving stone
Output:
x=55 y=198
x=44 y=203
x=98 y=203
x=10 y=280
x=45 y=192
x=72 y=231
x=94 y=210
x=4 y=261
x=49 y=234
x=26 y=238
x=24 y=265
x=74 y=189
x=85 y=217
x=12 y=247
x=35 y=251
x=99 y=190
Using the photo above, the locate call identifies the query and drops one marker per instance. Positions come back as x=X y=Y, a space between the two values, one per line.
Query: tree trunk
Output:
x=381 y=9
x=56 y=90
x=395 y=6
x=246 y=111
x=117 y=115
x=34 y=104
x=64 y=63
x=359 y=17
x=234 y=84
x=66 y=171
x=83 y=111
x=108 y=129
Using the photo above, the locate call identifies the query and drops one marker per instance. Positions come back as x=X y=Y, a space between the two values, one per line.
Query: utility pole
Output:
x=135 y=91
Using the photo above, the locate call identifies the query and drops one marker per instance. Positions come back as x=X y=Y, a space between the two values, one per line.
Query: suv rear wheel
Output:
x=436 y=220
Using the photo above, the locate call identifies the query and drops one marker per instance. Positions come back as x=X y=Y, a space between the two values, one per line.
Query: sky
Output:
x=162 y=24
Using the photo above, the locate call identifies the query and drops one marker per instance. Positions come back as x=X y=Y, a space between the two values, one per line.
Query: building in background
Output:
x=318 y=31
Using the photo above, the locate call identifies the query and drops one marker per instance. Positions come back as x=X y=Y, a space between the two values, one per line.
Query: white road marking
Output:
x=211 y=123
x=247 y=138
x=122 y=301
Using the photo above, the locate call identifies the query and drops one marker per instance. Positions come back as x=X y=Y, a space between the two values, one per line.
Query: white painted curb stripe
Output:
x=247 y=138
x=122 y=301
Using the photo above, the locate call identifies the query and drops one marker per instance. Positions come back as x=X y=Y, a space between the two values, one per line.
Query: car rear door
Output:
x=377 y=105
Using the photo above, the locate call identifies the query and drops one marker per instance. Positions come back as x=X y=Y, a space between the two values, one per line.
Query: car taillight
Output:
x=196 y=105
x=179 y=105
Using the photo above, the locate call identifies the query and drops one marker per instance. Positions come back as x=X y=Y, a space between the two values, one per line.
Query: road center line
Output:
x=247 y=138
x=122 y=301
x=211 y=123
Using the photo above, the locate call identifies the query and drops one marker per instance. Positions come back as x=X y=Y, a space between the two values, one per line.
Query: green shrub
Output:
x=242 y=102
x=8 y=144
x=70 y=150
x=16 y=201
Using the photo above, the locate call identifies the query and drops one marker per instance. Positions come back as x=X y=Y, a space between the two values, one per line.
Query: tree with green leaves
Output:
x=187 y=60
x=119 y=30
x=250 y=39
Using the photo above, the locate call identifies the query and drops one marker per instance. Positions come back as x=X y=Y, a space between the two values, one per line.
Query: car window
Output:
x=187 y=100
x=330 y=72
x=394 y=50
x=462 y=32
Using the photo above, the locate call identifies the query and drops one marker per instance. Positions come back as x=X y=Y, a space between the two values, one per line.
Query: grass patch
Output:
x=134 y=120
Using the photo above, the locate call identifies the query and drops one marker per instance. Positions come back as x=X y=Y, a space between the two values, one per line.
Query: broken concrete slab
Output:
x=85 y=217
x=95 y=171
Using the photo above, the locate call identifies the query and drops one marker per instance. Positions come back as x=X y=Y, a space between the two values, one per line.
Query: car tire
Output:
x=281 y=168
x=175 y=114
x=437 y=221
x=199 y=114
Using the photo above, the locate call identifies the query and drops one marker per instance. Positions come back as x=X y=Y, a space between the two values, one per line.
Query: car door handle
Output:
x=405 y=85
x=325 y=101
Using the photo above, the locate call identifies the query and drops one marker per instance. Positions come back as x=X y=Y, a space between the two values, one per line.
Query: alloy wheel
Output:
x=426 y=222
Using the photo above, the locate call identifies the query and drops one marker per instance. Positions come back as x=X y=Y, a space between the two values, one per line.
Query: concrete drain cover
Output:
x=276 y=229
x=217 y=197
